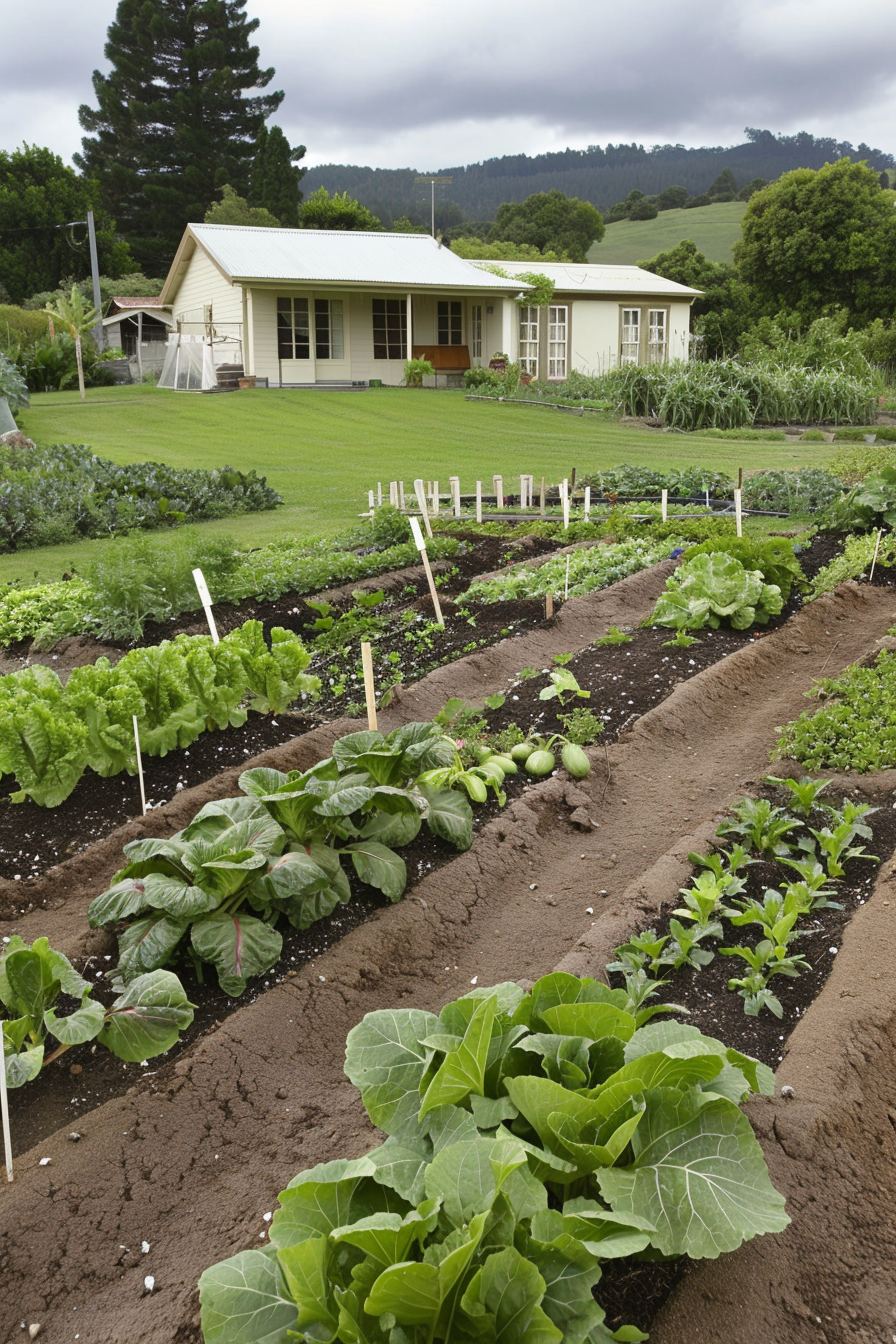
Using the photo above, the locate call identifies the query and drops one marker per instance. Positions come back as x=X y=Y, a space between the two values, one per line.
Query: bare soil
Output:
x=192 y=1157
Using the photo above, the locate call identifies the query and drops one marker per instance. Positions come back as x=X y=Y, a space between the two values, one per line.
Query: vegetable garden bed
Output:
x=202 y=1145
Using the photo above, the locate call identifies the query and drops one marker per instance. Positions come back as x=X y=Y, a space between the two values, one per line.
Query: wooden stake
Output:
x=541 y=498
x=421 y=504
x=371 y=502
x=738 y=513
x=139 y=765
x=548 y=606
x=523 y=483
x=454 y=482
x=369 y=690
x=499 y=491
x=572 y=479
x=393 y=494
x=4 y=1110
x=379 y=493
x=566 y=586
x=587 y=502
x=564 y=499
x=401 y=495
x=880 y=533
x=205 y=598
x=435 y=499
x=740 y=478
x=664 y=496
x=421 y=547
x=479 y=501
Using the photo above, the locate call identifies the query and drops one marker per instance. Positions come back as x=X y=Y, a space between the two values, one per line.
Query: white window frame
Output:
x=476 y=331
x=657 y=335
x=529 y=339
x=558 y=341
x=329 y=336
x=630 y=338
x=293 y=326
x=390 y=327
x=450 y=322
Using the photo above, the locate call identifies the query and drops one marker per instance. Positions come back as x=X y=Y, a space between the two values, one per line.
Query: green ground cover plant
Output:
x=51 y=733
x=812 y=858
x=66 y=492
x=141 y=579
x=589 y=570
x=322 y=453
x=529 y=1139
x=216 y=889
x=855 y=559
x=145 y=1019
x=855 y=728
x=803 y=491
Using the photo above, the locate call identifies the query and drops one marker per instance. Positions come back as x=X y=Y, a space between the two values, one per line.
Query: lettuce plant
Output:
x=145 y=1020
x=711 y=588
x=530 y=1138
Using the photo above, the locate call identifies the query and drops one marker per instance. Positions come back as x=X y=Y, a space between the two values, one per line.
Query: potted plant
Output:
x=415 y=370
x=498 y=361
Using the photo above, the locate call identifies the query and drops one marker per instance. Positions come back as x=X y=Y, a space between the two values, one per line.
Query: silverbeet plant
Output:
x=217 y=888
x=145 y=1019
x=530 y=1138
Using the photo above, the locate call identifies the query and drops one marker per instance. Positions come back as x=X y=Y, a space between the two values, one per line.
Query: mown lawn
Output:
x=323 y=450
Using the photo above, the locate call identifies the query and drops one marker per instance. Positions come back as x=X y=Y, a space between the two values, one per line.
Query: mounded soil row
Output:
x=191 y=1161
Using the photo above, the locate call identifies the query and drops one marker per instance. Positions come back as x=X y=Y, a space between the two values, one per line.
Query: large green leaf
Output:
x=379 y=867
x=121 y=901
x=25 y=976
x=463 y=1069
x=305 y=1268
x=147 y=1019
x=318 y=1200
x=385 y=1059
x=401 y=1164
x=388 y=1237
x=448 y=815
x=466 y=1176
x=237 y=946
x=244 y=1300
x=148 y=943
x=606 y=1234
x=507 y=1293
x=75 y=1028
x=415 y=1294
x=394 y=829
x=561 y=988
x=698 y=1175
x=592 y=1020
x=176 y=897
x=23 y=1066
x=565 y=1059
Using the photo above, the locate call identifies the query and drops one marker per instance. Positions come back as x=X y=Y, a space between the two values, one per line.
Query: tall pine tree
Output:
x=275 y=182
x=176 y=117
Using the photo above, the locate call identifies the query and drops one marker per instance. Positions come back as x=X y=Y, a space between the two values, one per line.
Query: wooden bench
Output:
x=444 y=358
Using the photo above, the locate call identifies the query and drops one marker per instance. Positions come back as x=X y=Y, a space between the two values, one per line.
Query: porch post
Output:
x=410 y=327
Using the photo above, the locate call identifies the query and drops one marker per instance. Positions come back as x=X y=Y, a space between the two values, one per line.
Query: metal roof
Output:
x=591 y=279
x=331 y=256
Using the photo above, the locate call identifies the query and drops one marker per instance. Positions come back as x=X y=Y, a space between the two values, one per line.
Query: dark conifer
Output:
x=176 y=117
x=274 y=179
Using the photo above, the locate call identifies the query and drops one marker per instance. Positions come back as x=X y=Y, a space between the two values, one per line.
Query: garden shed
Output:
x=325 y=308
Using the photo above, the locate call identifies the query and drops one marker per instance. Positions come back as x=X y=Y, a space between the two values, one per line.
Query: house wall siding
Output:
x=203 y=283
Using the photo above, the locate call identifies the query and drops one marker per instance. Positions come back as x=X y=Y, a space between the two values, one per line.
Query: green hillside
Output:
x=714 y=228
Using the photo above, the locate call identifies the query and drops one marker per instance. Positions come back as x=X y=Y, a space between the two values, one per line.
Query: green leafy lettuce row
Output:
x=280 y=850
x=144 y=1020
x=50 y=733
x=589 y=569
x=855 y=729
x=711 y=588
x=530 y=1137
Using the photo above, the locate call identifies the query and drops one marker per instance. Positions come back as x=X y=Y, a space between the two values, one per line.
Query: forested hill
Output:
x=596 y=174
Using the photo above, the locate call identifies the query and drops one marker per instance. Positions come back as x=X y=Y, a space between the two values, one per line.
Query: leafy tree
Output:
x=672 y=198
x=644 y=209
x=73 y=313
x=404 y=225
x=723 y=313
x=749 y=191
x=339 y=211
x=234 y=209
x=816 y=241
x=39 y=197
x=176 y=117
x=549 y=219
x=274 y=178
x=474 y=249
x=724 y=183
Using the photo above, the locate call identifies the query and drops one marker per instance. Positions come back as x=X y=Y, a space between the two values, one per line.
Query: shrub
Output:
x=415 y=370
x=802 y=491
x=12 y=385
x=18 y=324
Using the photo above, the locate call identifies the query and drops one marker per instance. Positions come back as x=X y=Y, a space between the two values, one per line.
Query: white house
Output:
x=313 y=307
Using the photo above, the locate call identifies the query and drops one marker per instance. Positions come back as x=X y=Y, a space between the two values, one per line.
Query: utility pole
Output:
x=433 y=183
x=98 y=331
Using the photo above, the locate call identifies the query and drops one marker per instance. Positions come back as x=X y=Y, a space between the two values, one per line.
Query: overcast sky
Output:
x=406 y=85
